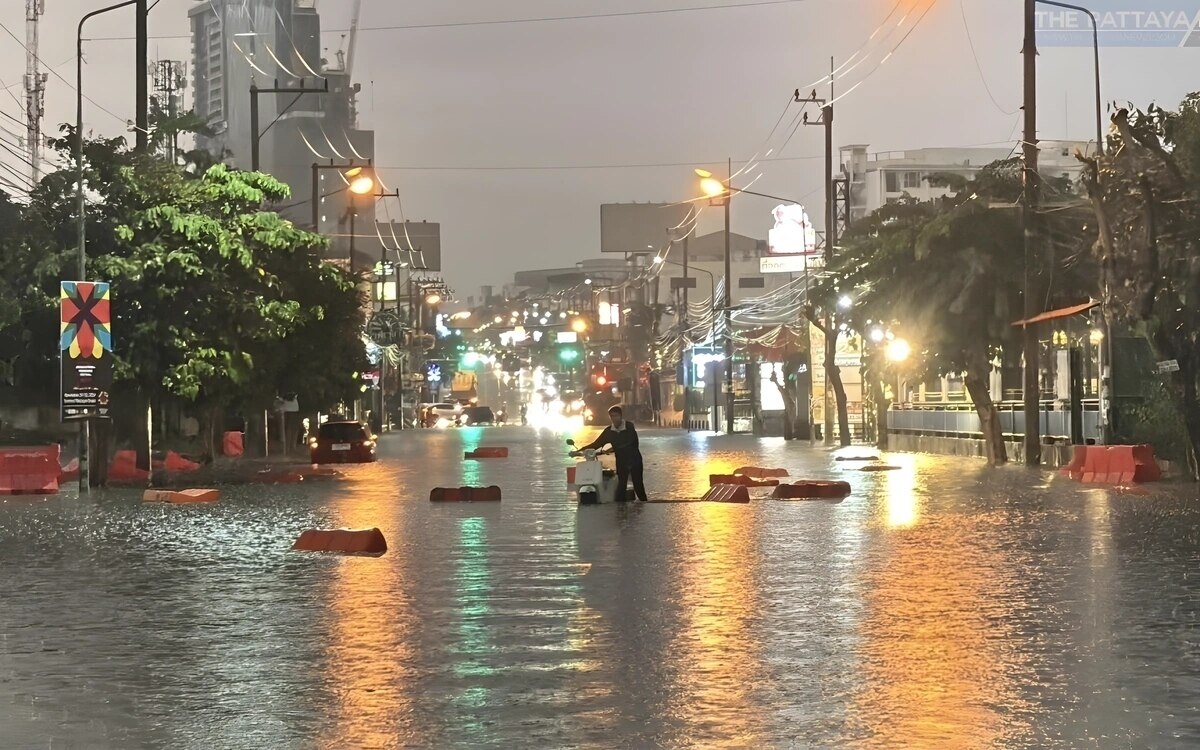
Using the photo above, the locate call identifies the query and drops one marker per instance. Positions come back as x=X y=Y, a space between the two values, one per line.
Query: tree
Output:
x=952 y=271
x=1145 y=192
x=216 y=301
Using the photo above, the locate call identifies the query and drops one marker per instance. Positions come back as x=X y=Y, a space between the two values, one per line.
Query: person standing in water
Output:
x=624 y=441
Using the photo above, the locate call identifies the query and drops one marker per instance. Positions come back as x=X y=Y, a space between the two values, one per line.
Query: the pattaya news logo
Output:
x=1122 y=23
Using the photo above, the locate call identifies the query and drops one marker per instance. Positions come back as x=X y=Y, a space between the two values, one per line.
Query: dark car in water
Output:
x=342 y=442
x=477 y=415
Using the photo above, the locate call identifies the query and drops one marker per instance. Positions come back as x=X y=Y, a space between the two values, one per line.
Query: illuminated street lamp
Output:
x=898 y=350
x=579 y=325
x=433 y=299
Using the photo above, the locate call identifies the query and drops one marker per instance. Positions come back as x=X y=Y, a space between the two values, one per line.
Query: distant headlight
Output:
x=442 y=423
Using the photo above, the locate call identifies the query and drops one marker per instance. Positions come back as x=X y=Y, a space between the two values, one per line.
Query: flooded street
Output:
x=941 y=605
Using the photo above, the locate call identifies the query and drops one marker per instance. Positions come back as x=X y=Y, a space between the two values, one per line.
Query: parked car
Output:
x=477 y=415
x=342 y=442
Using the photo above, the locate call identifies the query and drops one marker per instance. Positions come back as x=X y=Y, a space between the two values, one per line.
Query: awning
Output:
x=1064 y=312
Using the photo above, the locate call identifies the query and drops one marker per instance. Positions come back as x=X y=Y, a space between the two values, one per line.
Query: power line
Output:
x=515 y=21
x=979 y=66
x=56 y=74
x=569 y=167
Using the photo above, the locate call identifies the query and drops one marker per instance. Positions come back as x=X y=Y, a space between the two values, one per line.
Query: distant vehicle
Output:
x=342 y=442
x=440 y=415
x=477 y=415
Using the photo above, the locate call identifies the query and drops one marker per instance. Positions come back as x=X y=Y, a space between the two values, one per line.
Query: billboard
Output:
x=85 y=349
x=639 y=227
x=793 y=233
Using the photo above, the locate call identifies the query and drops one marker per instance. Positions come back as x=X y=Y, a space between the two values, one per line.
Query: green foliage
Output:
x=214 y=299
x=949 y=274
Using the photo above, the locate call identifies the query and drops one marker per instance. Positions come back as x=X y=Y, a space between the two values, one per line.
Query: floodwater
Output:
x=941 y=605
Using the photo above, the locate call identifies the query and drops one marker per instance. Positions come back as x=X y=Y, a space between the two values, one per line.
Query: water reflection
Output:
x=715 y=657
x=900 y=492
x=369 y=647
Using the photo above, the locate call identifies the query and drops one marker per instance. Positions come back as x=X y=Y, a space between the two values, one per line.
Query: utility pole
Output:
x=170 y=80
x=255 y=134
x=831 y=234
x=728 y=310
x=35 y=88
x=1031 y=199
x=142 y=73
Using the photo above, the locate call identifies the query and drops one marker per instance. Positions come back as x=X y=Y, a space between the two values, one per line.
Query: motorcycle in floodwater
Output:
x=593 y=483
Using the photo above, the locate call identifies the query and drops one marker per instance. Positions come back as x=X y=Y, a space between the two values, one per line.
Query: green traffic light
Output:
x=568 y=355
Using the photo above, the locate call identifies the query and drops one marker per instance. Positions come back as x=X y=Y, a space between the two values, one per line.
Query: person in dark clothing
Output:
x=624 y=441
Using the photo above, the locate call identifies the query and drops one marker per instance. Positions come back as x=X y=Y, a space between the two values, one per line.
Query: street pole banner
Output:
x=85 y=349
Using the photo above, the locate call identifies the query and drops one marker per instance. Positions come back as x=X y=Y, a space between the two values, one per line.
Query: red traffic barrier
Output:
x=1113 y=464
x=181 y=497
x=745 y=481
x=465 y=494
x=233 y=444
x=342 y=541
x=70 y=472
x=727 y=493
x=570 y=475
x=811 y=490
x=487 y=453
x=29 y=471
x=757 y=472
x=278 y=477
x=177 y=464
x=124 y=468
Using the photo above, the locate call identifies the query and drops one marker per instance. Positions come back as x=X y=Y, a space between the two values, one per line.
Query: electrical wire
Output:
x=70 y=85
x=979 y=66
x=516 y=21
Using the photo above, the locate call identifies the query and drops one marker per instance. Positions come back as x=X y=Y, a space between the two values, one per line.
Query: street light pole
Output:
x=1096 y=57
x=1031 y=200
x=85 y=427
x=728 y=311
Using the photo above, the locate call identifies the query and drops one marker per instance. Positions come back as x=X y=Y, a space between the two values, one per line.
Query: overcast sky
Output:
x=672 y=88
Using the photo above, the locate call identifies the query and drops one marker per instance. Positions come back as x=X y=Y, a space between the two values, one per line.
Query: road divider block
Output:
x=29 y=471
x=1113 y=464
x=811 y=490
x=181 y=497
x=493 y=452
x=342 y=541
x=745 y=481
x=727 y=493
x=123 y=468
x=465 y=494
x=758 y=472
x=857 y=458
x=879 y=467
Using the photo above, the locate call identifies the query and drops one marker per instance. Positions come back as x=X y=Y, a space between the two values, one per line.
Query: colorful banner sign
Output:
x=85 y=349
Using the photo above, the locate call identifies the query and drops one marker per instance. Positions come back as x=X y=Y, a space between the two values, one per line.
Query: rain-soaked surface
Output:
x=942 y=605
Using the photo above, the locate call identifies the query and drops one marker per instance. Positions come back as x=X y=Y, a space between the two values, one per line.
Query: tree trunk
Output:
x=989 y=417
x=141 y=433
x=1182 y=386
x=879 y=396
x=100 y=452
x=790 y=408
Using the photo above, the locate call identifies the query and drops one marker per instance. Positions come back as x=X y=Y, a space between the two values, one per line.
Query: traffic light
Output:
x=569 y=354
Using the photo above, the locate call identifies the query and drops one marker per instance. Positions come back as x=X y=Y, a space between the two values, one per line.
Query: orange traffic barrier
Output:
x=233 y=444
x=29 y=471
x=757 y=472
x=124 y=468
x=745 y=481
x=278 y=477
x=181 y=497
x=487 y=453
x=177 y=464
x=857 y=458
x=1074 y=470
x=811 y=490
x=727 y=493
x=1146 y=467
x=70 y=472
x=1113 y=464
x=879 y=467
x=465 y=494
x=343 y=541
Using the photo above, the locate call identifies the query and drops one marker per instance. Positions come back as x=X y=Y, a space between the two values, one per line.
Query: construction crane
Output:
x=35 y=88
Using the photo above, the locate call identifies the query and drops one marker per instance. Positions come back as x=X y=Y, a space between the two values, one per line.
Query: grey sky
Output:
x=691 y=87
